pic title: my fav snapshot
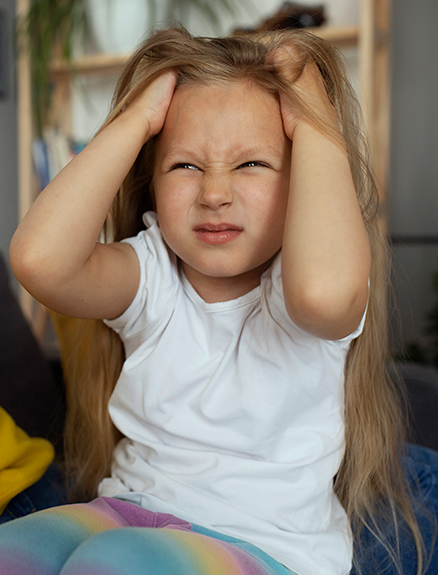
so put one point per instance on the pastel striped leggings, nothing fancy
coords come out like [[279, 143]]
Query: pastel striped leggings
[[112, 537]]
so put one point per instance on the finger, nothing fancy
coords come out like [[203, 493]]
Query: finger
[[288, 61], [163, 86], [301, 72], [289, 114]]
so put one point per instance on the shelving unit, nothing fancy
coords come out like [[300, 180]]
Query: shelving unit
[[371, 37], [104, 63]]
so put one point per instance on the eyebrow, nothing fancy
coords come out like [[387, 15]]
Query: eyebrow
[[238, 153]]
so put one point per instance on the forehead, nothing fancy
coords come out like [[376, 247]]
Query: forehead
[[247, 89], [221, 116]]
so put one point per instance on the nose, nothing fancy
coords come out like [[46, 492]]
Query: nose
[[216, 192]]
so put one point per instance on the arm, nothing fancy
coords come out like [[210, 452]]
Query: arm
[[326, 256], [54, 252]]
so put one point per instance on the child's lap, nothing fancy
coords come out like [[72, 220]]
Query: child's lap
[[112, 536], [96, 538]]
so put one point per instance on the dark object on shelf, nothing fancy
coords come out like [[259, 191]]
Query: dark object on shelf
[[292, 15]]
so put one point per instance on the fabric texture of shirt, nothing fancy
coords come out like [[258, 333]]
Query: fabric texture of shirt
[[232, 415]]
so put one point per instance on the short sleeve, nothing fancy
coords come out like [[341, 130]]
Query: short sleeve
[[158, 280], [345, 341]]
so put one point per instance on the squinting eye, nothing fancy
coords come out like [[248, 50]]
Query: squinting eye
[[184, 167], [252, 165]]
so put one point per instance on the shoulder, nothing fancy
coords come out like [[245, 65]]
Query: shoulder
[[158, 279], [149, 243]]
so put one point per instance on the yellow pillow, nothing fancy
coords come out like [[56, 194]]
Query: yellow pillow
[[23, 459]]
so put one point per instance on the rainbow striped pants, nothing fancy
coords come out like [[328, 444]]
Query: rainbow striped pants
[[112, 537]]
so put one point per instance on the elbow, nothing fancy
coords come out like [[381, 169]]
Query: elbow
[[19, 259], [26, 263], [329, 314]]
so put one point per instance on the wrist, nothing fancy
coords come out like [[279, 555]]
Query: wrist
[[137, 124], [307, 131]]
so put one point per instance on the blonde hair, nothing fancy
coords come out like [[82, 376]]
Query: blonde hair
[[370, 482]]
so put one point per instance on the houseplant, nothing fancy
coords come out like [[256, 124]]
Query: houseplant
[[54, 24]]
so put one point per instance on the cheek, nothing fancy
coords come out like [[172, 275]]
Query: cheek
[[173, 210], [273, 215], [169, 229], [167, 201], [271, 203], [175, 199]]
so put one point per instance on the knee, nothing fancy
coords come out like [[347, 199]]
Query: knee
[[130, 551], [37, 543]]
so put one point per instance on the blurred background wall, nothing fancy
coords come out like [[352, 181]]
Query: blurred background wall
[[413, 190]]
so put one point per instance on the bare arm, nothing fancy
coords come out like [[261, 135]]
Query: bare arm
[[54, 252], [326, 257]]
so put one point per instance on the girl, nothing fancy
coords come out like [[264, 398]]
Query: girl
[[258, 283]]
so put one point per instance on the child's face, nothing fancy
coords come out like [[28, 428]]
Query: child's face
[[221, 182]]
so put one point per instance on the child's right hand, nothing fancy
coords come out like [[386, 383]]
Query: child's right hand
[[55, 252], [152, 104]]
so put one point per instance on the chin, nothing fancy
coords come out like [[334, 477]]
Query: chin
[[216, 269]]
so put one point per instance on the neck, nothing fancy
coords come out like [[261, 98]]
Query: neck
[[217, 289]]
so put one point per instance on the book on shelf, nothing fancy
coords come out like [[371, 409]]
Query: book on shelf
[[51, 153]]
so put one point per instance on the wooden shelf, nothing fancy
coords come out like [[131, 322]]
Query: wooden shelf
[[91, 64], [110, 63], [339, 36]]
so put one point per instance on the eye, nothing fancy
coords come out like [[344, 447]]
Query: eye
[[253, 164], [183, 166]]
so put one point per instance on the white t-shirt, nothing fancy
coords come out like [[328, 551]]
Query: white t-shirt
[[233, 416]]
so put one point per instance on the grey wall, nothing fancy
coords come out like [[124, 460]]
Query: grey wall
[[8, 133], [413, 209]]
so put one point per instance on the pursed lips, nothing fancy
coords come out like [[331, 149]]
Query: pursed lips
[[215, 234], [217, 228]]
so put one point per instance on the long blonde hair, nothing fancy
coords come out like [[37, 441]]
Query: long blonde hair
[[370, 481]]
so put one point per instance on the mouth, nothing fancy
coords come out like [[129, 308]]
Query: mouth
[[217, 228], [216, 234]]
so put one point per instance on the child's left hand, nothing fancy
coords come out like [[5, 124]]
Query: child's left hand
[[325, 255], [308, 85]]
